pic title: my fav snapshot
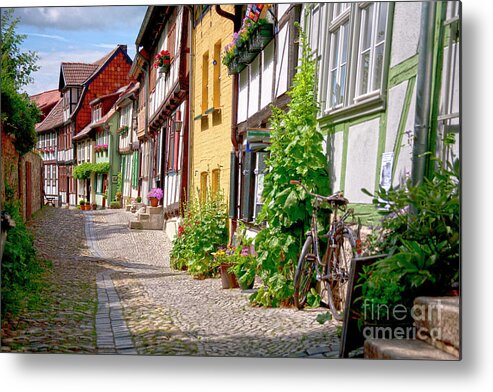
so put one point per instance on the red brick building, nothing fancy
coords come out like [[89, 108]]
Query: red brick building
[[80, 84]]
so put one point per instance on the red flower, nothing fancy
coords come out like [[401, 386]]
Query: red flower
[[181, 231]]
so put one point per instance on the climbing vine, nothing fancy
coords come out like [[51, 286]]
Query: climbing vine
[[85, 169], [296, 152]]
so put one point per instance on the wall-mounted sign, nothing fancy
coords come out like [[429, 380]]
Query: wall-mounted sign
[[386, 170]]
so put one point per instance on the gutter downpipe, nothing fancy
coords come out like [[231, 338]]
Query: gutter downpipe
[[423, 92], [189, 98], [236, 18]]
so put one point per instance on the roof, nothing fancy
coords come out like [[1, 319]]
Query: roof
[[46, 98], [129, 90], [53, 119], [85, 132], [77, 73], [82, 134]]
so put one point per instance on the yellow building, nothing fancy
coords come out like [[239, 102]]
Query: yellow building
[[211, 102]]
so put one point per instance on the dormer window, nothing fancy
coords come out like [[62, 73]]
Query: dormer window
[[96, 113]]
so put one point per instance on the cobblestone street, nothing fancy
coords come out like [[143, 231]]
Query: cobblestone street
[[140, 306], [169, 312]]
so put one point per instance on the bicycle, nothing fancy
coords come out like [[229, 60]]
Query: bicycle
[[333, 270]]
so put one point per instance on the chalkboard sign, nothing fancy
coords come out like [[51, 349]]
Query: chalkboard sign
[[352, 338]]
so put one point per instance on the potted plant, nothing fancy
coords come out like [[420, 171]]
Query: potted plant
[[154, 195], [115, 205], [244, 265], [222, 259], [82, 203], [162, 61], [138, 199], [94, 205]]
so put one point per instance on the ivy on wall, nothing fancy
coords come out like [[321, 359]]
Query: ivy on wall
[[296, 153]]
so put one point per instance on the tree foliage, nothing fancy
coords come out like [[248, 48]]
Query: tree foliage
[[19, 114], [17, 65], [296, 152]]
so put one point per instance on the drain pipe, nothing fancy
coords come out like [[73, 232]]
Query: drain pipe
[[236, 18], [423, 92]]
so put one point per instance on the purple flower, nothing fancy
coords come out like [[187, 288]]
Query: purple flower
[[245, 251]]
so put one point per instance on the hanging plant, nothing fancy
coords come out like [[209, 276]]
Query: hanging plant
[[162, 61]]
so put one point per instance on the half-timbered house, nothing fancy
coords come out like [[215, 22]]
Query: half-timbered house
[[81, 83], [382, 86], [163, 106], [263, 80], [48, 148]]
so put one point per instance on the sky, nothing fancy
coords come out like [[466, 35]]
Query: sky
[[75, 34]]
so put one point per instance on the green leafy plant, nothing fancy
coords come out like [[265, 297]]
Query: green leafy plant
[[82, 202], [242, 257], [420, 236], [203, 230], [19, 114], [20, 268], [84, 170], [115, 205], [295, 153]]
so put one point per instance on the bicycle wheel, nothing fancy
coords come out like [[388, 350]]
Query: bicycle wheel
[[338, 271], [304, 273]]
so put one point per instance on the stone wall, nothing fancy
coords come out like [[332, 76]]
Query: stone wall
[[14, 184]]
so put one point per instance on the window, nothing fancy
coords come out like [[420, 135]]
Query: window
[[203, 186], [96, 113], [215, 186], [205, 82], [373, 25], [350, 40], [217, 75], [171, 146]]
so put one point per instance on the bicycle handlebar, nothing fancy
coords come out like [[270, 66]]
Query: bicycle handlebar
[[336, 197]]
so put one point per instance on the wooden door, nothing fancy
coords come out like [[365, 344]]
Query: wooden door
[[29, 190]]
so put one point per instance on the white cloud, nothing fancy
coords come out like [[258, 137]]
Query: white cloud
[[57, 37], [81, 18]]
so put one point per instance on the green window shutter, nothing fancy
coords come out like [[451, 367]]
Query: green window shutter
[[248, 187], [123, 166], [261, 171], [135, 170], [233, 185]]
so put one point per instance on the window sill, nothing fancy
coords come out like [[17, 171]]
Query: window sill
[[375, 104]]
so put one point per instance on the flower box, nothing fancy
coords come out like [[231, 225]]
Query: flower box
[[236, 66], [246, 56], [262, 36]]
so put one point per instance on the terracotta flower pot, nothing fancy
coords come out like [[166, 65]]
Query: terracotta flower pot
[[228, 279], [154, 201]]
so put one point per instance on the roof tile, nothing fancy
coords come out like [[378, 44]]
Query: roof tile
[[53, 119]]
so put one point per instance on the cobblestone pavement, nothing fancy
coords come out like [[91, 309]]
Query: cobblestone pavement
[[170, 313], [60, 318]]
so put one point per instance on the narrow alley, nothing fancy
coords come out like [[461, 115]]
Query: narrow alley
[[114, 286]]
